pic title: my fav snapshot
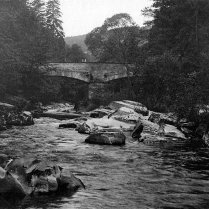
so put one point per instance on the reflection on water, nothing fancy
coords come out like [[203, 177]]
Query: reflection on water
[[131, 176]]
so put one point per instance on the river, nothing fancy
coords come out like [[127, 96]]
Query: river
[[127, 177]]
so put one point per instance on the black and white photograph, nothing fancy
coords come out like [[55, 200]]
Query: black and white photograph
[[104, 104]]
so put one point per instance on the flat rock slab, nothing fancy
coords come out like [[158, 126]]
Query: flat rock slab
[[165, 141], [59, 116]]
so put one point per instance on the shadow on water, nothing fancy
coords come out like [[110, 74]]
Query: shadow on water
[[132, 176], [53, 200]]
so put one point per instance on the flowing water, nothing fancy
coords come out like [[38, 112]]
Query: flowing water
[[130, 176]]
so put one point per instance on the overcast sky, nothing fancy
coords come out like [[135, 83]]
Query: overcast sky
[[82, 16]]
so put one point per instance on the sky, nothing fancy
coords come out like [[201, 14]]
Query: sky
[[82, 16]]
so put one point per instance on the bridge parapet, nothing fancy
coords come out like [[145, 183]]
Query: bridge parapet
[[89, 72]]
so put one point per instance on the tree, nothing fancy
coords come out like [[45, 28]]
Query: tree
[[116, 40], [38, 7], [74, 53], [56, 37], [179, 32]]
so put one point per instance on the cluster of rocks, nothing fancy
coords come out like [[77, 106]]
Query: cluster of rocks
[[110, 125], [25, 176], [10, 115]]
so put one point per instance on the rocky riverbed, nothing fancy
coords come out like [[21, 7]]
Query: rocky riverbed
[[134, 175]]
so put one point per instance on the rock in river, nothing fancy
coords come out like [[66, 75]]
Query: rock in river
[[25, 176], [108, 138]]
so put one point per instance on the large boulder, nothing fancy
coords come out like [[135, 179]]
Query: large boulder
[[36, 176], [106, 138], [152, 133], [9, 185], [136, 106]]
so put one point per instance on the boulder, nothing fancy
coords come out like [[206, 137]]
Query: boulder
[[70, 125], [84, 129], [172, 131], [36, 176], [106, 138], [69, 181], [126, 114], [137, 130], [102, 123], [9, 185], [136, 106], [167, 118]]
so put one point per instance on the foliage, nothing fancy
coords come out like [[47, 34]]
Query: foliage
[[25, 37], [175, 70], [56, 35], [116, 40]]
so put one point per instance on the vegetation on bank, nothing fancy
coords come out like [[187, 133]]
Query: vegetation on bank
[[171, 50]]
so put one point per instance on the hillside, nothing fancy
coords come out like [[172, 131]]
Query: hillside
[[77, 40]]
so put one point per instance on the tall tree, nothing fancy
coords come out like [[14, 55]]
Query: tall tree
[[54, 24], [180, 33], [23, 44], [38, 7]]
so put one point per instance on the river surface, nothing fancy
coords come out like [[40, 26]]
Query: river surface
[[127, 177]]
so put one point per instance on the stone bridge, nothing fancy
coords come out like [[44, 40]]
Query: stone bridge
[[89, 72], [95, 74]]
